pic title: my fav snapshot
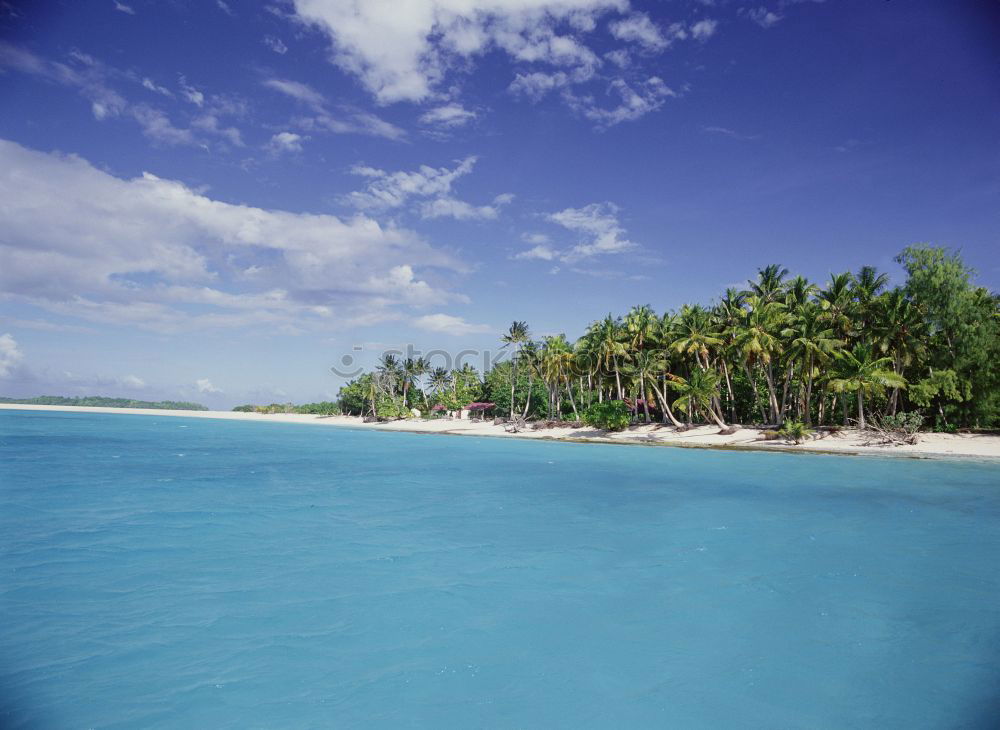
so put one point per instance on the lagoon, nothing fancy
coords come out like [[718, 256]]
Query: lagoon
[[177, 573]]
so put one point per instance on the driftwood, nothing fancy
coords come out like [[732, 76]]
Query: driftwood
[[541, 425], [877, 434], [515, 425]]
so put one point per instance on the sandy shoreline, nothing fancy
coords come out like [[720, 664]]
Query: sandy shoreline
[[931, 445]]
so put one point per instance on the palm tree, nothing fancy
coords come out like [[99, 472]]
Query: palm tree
[[799, 292], [698, 393], [811, 342], [900, 330], [838, 304], [695, 335], [860, 371], [727, 316], [646, 366], [759, 345], [612, 348], [411, 371], [866, 285], [769, 286], [515, 338], [389, 374], [640, 325], [440, 381]]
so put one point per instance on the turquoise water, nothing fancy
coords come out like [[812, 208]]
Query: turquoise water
[[161, 572]]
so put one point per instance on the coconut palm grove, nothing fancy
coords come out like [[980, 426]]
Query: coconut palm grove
[[783, 351]]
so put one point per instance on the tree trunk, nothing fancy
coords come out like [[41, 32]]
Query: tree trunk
[[861, 408], [771, 393], [513, 382], [784, 394], [572, 401], [756, 392], [729, 390], [715, 417], [809, 391], [896, 368], [645, 397], [667, 413]]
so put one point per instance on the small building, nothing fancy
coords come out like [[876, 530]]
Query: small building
[[478, 410]]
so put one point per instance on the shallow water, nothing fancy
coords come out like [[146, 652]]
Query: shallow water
[[187, 573]]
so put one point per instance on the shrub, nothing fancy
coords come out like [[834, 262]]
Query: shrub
[[610, 416], [908, 423], [389, 408], [795, 431]]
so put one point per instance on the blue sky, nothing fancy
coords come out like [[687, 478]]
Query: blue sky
[[216, 200]]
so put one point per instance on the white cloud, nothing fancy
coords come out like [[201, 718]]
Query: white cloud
[[124, 8], [153, 253], [449, 324], [190, 93], [619, 58], [93, 80], [535, 238], [276, 45], [352, 121], [598, 225], [704, 29], [286, 142], [157, 126], [543, 252], [224, 7], [10, 354], [149, 84], [726, 132], [393, 189], [763, 17], [388, 190], [298, 91], [537, 84], [402, 51], [133, 381], [460, 210], [204, 385], [638, 28], [81, 74], [448, 115], [210, 123], [636, 102]]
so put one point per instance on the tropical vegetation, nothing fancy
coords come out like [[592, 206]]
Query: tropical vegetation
[[782, 349], [99, 401]]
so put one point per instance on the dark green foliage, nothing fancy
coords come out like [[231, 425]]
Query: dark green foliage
[[611, 415], [96, 401], [908, 423], [794, 431], [325, 408], [783, 350]]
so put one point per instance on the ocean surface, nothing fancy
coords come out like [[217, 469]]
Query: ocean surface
[[161, 572]]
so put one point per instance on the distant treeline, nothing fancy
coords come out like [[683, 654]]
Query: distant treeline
[[102, 402], [324, 408]]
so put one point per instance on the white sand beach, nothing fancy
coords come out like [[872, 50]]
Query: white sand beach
[[930, 445]]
